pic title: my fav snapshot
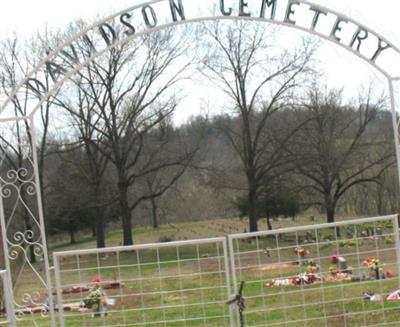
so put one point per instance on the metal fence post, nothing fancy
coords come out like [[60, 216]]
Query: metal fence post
[[8, 298], [233, 275], [59, 305]]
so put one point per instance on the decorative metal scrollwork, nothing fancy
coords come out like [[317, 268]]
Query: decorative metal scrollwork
[[23, 233]]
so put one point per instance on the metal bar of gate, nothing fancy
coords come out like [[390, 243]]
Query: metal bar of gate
[[231, 252], [8, 299], [397, 242]]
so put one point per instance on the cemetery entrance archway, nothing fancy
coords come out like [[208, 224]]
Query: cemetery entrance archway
[[22, 184]]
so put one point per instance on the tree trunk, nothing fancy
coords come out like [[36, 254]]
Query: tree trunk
[[127, 228], [29, 238], [380, 200], [269, 224], [252, 210], [72, 237], [330, 215], [93, 228], [154, 212], [100, 235], [28, 226], [98, 225], [125, 214], [252, 198], [32, 255]]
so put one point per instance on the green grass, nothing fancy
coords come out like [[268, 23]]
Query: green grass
[[157, 290]]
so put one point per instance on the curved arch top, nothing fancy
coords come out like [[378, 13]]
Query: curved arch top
[[61, 63]]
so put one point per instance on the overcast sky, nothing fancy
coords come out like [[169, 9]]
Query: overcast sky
[[28, 16]]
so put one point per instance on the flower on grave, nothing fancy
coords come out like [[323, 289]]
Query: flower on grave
[[301, 252], [371, 263], [333, 270], [94, 298], [312, 267], [96, 279]]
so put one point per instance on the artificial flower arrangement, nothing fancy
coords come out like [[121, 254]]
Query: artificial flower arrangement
[[376, 271], [96, 300], [93, 300]]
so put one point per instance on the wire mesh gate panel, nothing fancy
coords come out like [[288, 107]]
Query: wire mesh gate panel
[[166, 284], [343, 274], [7, 303]]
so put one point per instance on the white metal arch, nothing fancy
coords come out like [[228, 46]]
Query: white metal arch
[[52, 56]]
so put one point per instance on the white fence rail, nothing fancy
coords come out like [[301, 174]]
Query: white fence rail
[[166, 284], [320, 275], [8, 316]]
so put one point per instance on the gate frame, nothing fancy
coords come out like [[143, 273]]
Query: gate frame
[[176, 11], [232, 237], [217, 240]]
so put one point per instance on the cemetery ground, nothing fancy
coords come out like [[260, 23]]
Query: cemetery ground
[[163, 287]]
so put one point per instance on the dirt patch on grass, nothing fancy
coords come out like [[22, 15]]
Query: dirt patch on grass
[[276, 266], [176, 297]]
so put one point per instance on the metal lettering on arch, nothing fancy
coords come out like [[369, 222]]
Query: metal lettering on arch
[[63, 61]]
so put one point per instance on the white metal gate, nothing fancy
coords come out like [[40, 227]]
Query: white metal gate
[[319, 275], [298, 276], [166, 284]]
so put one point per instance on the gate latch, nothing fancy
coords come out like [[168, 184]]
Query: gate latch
[[239, 300]]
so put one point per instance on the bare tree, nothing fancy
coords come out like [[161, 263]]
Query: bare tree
[[69, 196], [334, 151], [83, 117], [259, 79], [153, 182], [131, 91]]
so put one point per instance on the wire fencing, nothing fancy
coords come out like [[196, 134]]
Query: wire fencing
[[166, 284], [342, 274], [331, 275]]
